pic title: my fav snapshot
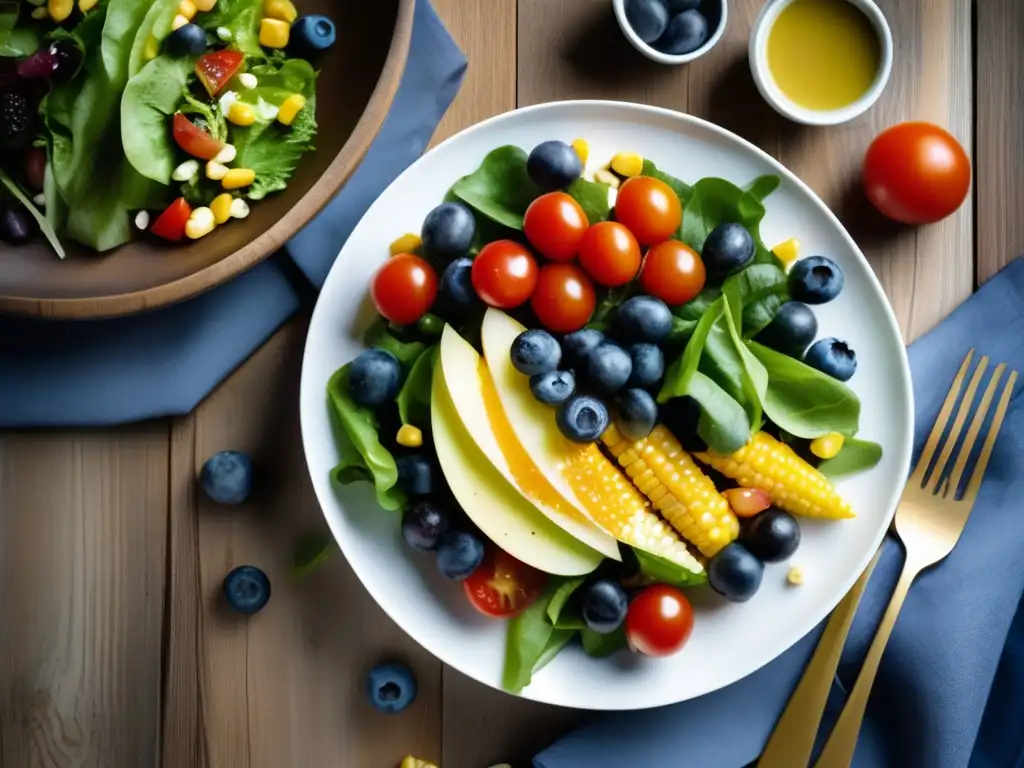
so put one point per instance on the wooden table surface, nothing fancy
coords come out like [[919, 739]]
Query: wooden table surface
[[112, 651]]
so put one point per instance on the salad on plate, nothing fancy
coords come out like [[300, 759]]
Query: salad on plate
[[162, 116], [591, 390]]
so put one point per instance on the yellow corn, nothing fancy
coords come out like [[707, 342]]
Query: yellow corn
[[787, 251], [178, 22], [274, 33], [827, 446], [795, 575], [152, 49], [241, 114], [607, 177], [628, 164], [415, 762], [237, 178], [221, 207], [280, 9], [40, 13], [774, 467], [408, 243], [290, 108], [200, 223], [60, 9], [205, 5], [582, 148], [188, 9], [216, 171], [87, 5], [409, 436], [676, 486]]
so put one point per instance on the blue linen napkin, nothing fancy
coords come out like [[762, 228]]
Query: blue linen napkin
[[950, 690], [95, 373]]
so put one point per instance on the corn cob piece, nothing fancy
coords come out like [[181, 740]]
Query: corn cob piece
[[676, 486], [774, 467]]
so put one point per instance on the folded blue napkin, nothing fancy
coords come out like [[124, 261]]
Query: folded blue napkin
[[950, 690], [96, 373]]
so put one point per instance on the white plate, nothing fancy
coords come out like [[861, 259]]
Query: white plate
[[729, 641]]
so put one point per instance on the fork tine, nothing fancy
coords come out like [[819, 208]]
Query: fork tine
[[952, 480], [971, 492], [940, 422], [939, 475]]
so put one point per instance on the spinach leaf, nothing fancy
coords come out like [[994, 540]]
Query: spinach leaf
[[242, 17], [678, 376], [406, 352], [155, 27], [601, 320], [593, 199], [360, 427], [855, 456], [680, 332], [666, 571], [600, 646], [528, 636], [558, 640], [149, 99], [723, 423], [728, 362], [560, 597], [763, 186], [44, 224], [763, 289], [122, 23], [414, 396], [717, 201], [500, 189], [311, 552], [695, 308], [804, 401]]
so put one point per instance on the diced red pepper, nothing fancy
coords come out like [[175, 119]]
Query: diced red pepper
[[194, 140], [170, 225], [217, 68]]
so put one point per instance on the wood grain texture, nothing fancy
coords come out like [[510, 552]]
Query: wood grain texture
[[81, 589]]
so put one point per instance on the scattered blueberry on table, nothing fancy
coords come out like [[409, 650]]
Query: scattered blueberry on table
[[391, 687], [247, 589], [226, 477], [832, 357]]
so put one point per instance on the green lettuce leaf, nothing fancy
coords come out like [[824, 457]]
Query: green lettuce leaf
[[855, 456], [414, 397], [500, 189]]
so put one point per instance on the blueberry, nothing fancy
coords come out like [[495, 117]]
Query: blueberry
[[456, 297], [415, 474], [648, 18], [735, 573], [832, 357], [727, 249], [609, 367], [391, 687], [226, 477], [187, 40], [685, 33], [373, 378], [16, 225], [643, 319], [312, 34], [681, 415], [815, 280], [791, 330], [458, 554], [448, 232], [648, 365], [554, 165], [535, 351], [423, 524], [247, 589], [771, 536], [636, 413], [582, 418], [604, 606], [678, 6], [553, 387], [578, 346]]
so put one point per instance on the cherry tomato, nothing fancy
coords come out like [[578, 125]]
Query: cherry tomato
[[649, 208], [564, 299], [193, 139], [404, 289], [502, 586], [170, 225], [659, 621], [217, 68], [610, 253], [554, 225], [916, 173], [504, 274], [35, 168], [673, 272]]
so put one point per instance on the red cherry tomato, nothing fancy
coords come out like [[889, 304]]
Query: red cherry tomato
[[217, 68], [170, 225], [673, 272], [35, 168], [649, 208], [610, 253], [404, 289], [554, 225], [564, 299], [193, 139], [916, 173], [502, 586], [504, 274], [659, 621]]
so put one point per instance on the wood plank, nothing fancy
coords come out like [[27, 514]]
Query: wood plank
[[999, 163], [81, 584]]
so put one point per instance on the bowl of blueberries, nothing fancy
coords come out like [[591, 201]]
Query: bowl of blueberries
[[672, 31]]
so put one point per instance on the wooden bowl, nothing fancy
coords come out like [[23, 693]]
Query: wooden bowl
[[358, 80]]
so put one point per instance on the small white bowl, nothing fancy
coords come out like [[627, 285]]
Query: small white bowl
[[782, 104], [665, 58]]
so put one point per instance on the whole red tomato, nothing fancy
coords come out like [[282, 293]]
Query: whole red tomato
[[673, 272], [916, 173], [649, 209], [564, 299], [504, 274], [659, 621], [404, 289], [554, 224]]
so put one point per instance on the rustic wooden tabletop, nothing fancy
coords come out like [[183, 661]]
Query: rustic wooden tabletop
[[112, 651]]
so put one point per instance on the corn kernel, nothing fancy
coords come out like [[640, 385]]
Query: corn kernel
[[582, 148], [827, 446], [200, 223], [241, 114], [795, 576], [152, 49], [216, 171], [603, 176], [408, 243], [238, 177], [87, 5], [221, 207], [40, 13], [409, 436], [188, 9], [280, 9], [787, 251], [239, 208], [225, 35], [274, 33], [142, 220], [205, 5], [248, 80], [178, 22], [290, 107], [59, 10], [628, 164], [226, 155], [415, 762], [187, 170]]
